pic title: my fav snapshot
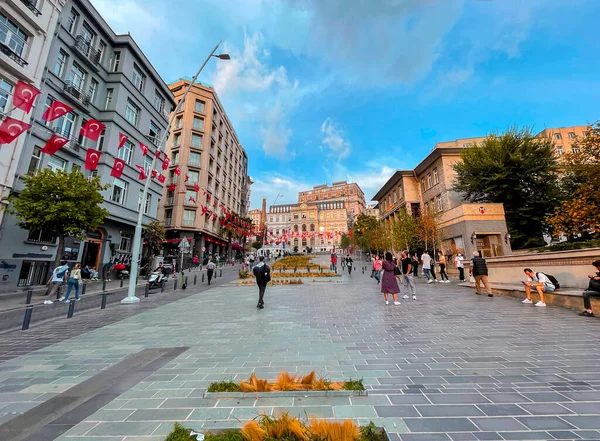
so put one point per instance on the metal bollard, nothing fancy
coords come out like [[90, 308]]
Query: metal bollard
[[104, 296], [104, 285], [221, 273], [27, 318], [29, 294], [121, 283], [71, 308], [363, 270], [146, 289], [202, 277], [175, 284], [195, 279], [162, 287], [83, 288]]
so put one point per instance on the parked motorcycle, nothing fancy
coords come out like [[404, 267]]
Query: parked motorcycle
[[156, 279]]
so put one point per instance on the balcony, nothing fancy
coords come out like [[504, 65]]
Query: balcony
[[74, 145], [194, 163], [31, 5], [12, 55], [168, 221], [189, 222], [91, 56], [77, 93], [169, 201]]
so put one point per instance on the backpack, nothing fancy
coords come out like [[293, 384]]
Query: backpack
[[551, 278], [61, 274], [263, 275]]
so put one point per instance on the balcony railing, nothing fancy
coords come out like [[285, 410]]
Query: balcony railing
[[90, 54], [31, 5], [168, 221], [73, 144], [189, 222], [76, 93], [194, 163], [13, 55]]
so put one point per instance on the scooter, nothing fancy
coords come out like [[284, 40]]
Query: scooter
[[156, 279]]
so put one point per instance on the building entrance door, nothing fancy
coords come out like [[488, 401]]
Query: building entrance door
[[92, 250]]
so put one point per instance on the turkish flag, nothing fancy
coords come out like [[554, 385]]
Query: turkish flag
[[118, 168], [56, 110], [11, 129], [187, 178], [157, 154], [172, 187], [92, 129], [54, 144], [191, 199], [196, 186], [91, 159], [177, 171], [144, 148], [24, 96], [154, 174], [161, 179], [166, 163], [122, 140], [142, 172]]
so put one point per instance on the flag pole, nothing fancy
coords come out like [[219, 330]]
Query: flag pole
[[137, 238]]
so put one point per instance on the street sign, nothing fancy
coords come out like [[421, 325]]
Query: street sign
[[184, 243]]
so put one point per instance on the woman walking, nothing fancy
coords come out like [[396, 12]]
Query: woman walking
[[415, 265], [389, 284], [432, 257], [377, 264], [73, 282], [442, 263]]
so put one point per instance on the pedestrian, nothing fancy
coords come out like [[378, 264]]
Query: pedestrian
[[58, 279], [407, 276], [334, 262], [106, 271], [377, 265], [349, 263], [540, 282], [262, 272], [479, 271], [74, 280], [458, 263], [195, 261], [210, 270], [426, 264], [86, 274], [415, 265], [442, 263], [593, 290], [389, 284], [432, 256]]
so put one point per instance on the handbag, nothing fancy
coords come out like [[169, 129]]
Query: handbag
[[471, 279], [396, 271]]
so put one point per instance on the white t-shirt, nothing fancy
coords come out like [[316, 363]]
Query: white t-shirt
[[57, 270], [458, 260], [541, 278], [426, 259]]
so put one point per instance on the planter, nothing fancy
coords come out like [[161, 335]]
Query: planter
[[288, 393]]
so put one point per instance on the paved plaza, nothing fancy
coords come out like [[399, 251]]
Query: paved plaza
[[448, 366]]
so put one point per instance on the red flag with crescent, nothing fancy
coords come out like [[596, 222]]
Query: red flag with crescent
[[54, 144], [177, 170], [166, 163], [11, 129], [157, 154], [118, 168], [144, 148], [187, 178], [24, 96], [154, 174], [91, 159], [142, 175], [172, 187], [122, 139], [161, 179], [196, 187], [91, 129], [56, 110]]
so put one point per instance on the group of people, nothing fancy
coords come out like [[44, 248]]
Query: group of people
[[347, 262], [390, 271], [64, 274]]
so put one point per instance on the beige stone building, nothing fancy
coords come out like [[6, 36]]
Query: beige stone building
[[350, 193], [563, 137]]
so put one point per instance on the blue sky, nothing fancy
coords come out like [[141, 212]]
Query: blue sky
[[320, 91]]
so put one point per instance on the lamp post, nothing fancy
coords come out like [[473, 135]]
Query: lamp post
[[137, 238]]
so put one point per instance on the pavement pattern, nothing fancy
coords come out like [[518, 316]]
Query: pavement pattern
[[448, 366]]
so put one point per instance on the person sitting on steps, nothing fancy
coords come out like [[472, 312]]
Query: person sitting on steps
[[593, 290], [540, 282]]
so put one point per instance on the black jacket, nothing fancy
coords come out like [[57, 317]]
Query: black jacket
[[479, 268]]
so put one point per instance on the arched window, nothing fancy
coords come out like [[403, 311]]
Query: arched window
[[312, 227], [303, 227], [295, 227]]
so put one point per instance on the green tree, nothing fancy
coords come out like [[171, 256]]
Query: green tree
[[154, 236], [61, 204], [518, 170], [428, 229], [404, 230], [257, 245], [364, 228], [345, 241]]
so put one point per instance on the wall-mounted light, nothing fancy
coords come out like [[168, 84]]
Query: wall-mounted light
[[507, 237], [473, 237]]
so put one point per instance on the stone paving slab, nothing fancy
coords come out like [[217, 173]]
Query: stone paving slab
[[451, 365]]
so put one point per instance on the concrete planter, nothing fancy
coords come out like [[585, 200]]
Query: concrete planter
[[288, 393]]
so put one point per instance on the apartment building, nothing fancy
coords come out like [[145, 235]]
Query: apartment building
[[26, 29], [563, 137], [214, 170], [107, 77], [372, 210], [278, 224]]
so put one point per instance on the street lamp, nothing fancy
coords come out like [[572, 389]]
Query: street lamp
[[137, 238]]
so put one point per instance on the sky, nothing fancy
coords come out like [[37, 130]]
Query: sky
[[322, 91]]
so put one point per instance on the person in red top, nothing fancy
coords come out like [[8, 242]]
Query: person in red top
[[334, 262], [377, 264]]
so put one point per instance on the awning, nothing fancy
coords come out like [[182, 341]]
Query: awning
[[236, 246]]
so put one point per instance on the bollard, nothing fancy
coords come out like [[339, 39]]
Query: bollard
[[104, 285], [202, 277], [83, 288], [146, 289], [194, 279], [321, 270], [295, 268], [121, 283], [104, 296], [27, 318], [29, 294], [175, 284], [363, 270], [162, 286], [308, 268], [189, 269], [220, 273], [71, 308]]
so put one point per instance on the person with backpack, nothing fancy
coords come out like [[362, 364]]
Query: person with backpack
[[541, 282], [210, 270], [479, 271], [58, 279], [593, 290], [262, 272], [349, 263]]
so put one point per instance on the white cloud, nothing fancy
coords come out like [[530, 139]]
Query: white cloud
[[142, 20], [270, 186], [333, 139]]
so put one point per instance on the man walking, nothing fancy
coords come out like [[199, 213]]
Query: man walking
[[262, 272], [479, 271], [426, 263], [458, 263], [59, 276], [407, 276], [210, 270], [349, 263]]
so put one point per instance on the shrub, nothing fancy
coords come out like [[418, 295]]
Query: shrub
[[224, 386], [354, 384], [243, 274]]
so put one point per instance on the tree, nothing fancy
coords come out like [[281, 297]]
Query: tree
[[579, 212], [345, 241], [518, 170], [404, 230], [428, 229], [364, 227], [60, 204], [257, 245], [154, 236]]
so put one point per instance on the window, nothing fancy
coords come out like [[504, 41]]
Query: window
[[196, 140], [12, 36], [125, 243], [80, 138], [126, 152], [154, 133], [575, 150], [93, 90], [88, 36], [159, 101], [175, 158], [119, 191], [75, 167], [148, 163], [109, 94], [132, 113], [190, 194], [177, 140], [429, 181], [194, 176], [77, 76], [40, 236], [557, 136], [189, 217], [116, 61], [64, 125], [34, 163], [147, 204], [101, 139], [423, 184], [560, 150], [138, 78], [55, 163], [571, 135], [395, 197], [101, 51], [5, 92], [194, 159], [179, 122], [61, 61], [436, 178], [199, 107], [198, 123], [440, 204], [72, 23]]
